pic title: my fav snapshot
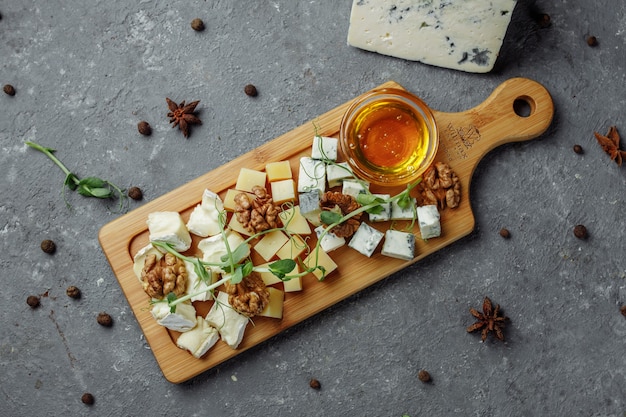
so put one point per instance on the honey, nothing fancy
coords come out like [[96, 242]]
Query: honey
[[389, 137]]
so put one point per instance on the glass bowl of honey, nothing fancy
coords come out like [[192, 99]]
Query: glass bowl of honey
[[389, 137]]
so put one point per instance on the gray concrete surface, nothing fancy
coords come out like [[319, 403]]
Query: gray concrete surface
[[86, 72]]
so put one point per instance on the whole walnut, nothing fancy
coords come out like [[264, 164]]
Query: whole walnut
[[259, 214], [250, 296], [162, 276], [440, 186], [334, 200]]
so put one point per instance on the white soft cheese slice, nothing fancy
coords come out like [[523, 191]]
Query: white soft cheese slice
[[230, 324], [460, 34], [195, 284], [182, 320], [204, 219], [428, 219], [214, 247], [168, 227], [200, 339]]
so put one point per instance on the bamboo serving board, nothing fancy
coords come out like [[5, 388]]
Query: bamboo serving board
[[465, 137]]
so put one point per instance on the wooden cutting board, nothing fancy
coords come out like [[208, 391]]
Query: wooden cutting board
[[465, 137]]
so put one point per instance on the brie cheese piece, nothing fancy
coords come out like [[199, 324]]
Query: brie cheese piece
[[168, 227], [195, 284], [229, 323], [214, 247], [182, 320], [204, 219], [199, 339], [460, 34]]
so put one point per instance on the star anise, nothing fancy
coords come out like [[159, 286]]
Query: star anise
[[489, 320], [610, 145], [182, 115]]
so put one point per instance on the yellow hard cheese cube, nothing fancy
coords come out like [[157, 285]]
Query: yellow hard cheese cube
[[277, 171], [274, 308], [267, 277], [293, 284], [320, 258], [229, 199], [283, 191], [294, 221], [270, 244], [292, 249], [248, 178]]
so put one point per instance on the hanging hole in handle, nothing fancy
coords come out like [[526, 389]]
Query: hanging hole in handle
[[524, 106]]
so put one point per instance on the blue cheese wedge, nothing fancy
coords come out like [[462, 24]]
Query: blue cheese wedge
[[311, 175], [200, 339], [366, 239], [354, 187], [399, 245], [229, 323], [337, 173], [403, 213], [310, 206], [464, 35], [428, 219], [330, 241], [204, 219], [385, 214], [324, 148], [168, 227], [182, 320]]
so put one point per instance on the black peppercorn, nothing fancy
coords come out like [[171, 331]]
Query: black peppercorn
[[9, 89], [544, 20], [135, 193], [315, 384], [250, 90], [505, 233], [32, 301], [73, 292], [48, 246], [578, 149], [197, 25], [580, 232], [105, 320], [144, 128], [424, 376], [623, 310], [592, 41], [88, 399]]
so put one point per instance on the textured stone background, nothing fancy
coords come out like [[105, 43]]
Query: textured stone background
[[87, 71]]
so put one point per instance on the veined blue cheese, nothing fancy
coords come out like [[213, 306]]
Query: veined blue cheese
[[403, 213], [311, 175], [310, 206], [366, 239], [385, 214], [324, 148], [330, 241], [337, 173], [399, 245], [428, 219], [460, 34], [354, 187]]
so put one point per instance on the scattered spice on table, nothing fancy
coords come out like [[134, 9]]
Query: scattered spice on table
[[544, 20], [250, 90], [32, 301], [72, 292], [181, 115], [197, 25], [578, 149], [489, 321], [504, 232], [315, 384], [48, 246], [610, 144], [88, 399], [135, 193], [9, 89], [623, 310], [580, 231], [424, 376], [105, 320], [592, 41], [144, 128]]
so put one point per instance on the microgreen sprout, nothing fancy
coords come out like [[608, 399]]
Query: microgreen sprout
[[87, 187]]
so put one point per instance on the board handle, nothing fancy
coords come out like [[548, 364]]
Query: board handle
[[519, 109]]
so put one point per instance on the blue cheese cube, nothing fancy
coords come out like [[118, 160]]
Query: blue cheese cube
[[330, 241], [385, 214], [464, 35], [324, 148], [399, 245], [366, 239], [337, 173], [354, 187], [403, 213], [229, 323], [310, 206], [168, 227], [428, 219], [311, 175]]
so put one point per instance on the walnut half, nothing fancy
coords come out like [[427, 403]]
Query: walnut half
[[260, 214], [250, 296], [334, 200], [160, 277], [440, 186]]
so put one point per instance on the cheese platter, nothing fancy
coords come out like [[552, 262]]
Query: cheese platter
[[464, 138]]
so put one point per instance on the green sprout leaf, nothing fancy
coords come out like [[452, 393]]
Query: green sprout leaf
[[282, 268], [330, 217], [171, 297]]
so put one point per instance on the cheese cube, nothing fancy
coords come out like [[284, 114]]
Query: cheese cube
[[282, 191], [465, 35], [292, 249], [195, 284], [168, 227], [205, 218], [428, 219], [214, 247], [182, 320], [330, 241], [399, 245], [403, 213], [324, 148], [236, 226], [337, 173], [229, 199], [274, 308], [294, 221], [277, 171], [310, 206], [385, 214], [200, 339], [267, 277], [311, 175], [293, 284], [366, 239], [139, 259], [354, 187], [320, 258], [229, 323], [248, 178], [270, 243]]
